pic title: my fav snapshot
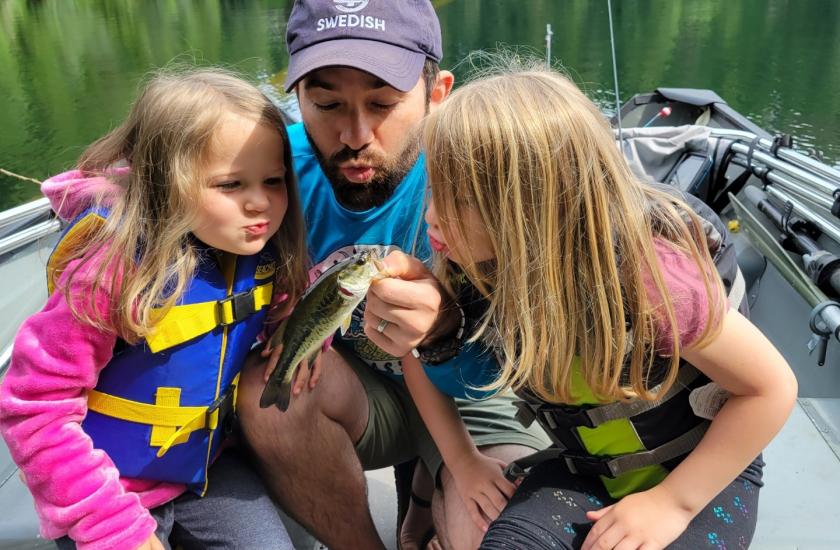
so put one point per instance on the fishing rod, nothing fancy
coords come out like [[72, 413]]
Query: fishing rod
[[781, 165], [821, 266], [548, 35], [786, 190], [615, 77], [783, 152]]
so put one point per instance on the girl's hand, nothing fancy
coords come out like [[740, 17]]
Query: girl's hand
[[152, 543], [307, 375], [273, 355], [483, 487], [411, 300], [650, 520]]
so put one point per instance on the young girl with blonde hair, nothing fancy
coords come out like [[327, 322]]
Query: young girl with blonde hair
[[598, 295], [121, 390]]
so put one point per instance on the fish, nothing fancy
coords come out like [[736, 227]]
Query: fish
[[327, 306]]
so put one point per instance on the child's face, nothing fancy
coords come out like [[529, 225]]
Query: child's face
[[244, 199], [476, 238]]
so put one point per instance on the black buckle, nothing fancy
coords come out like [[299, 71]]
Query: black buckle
[[563, 416], [524, 413], [224, 404], [242, 305], [588, 465], [522, 467]]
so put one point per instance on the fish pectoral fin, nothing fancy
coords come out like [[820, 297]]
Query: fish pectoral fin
[[310, 361], [345, 324], [277, 338]]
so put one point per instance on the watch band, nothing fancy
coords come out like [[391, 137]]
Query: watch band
[[445, 349]]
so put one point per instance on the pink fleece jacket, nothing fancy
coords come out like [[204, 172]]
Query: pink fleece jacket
[[43, 399]]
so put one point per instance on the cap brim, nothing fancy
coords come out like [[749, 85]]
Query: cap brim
[[398, 67]]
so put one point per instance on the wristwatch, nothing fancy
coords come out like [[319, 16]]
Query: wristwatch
[[443, 349]]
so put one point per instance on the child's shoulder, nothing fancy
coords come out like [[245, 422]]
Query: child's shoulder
[[687, 290], [73, 192]]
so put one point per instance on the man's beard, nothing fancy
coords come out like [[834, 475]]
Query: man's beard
[[389, 173]]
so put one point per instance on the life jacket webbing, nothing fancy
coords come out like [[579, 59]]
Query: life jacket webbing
[[613, 411], [738, 290], [185, 419], [185, 322], [619, 465], [611, 467], [593, 417]]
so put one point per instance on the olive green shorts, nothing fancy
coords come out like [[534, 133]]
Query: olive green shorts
[[395, 433]]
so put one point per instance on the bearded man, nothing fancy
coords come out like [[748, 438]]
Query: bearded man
[[366, 73]]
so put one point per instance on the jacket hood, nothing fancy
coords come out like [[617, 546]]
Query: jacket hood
[[71, 193]]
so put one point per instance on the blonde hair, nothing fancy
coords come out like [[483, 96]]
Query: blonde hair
[[572, 231], [144, 253]]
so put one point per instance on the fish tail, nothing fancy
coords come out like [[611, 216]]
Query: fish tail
[[276, 393], [269, 394], [284, 397]]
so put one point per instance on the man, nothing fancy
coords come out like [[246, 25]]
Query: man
[[366, 73]]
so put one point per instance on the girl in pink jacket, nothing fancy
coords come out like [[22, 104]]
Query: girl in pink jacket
[[121, 389]]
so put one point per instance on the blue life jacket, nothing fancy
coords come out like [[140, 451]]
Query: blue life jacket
[[159, 406]]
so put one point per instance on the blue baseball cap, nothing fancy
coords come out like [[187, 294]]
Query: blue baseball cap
[[390, 39]]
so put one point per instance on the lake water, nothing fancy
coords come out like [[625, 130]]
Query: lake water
[[70, 68]]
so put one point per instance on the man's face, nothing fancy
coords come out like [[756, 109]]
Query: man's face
[[364, 132]]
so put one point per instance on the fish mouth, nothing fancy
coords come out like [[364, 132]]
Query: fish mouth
[[351, 290]]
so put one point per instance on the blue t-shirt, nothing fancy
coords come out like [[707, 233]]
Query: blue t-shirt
[[335, 233]]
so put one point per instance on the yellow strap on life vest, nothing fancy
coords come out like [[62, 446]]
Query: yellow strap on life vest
[[173, 421], [185, 322], [80, 233], [142, 413]]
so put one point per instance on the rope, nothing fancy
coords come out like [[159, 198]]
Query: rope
[[18, 176]]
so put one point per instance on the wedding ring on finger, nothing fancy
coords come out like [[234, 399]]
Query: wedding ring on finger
[[380, 328]]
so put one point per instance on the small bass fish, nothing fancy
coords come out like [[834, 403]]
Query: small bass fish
[[325, 308]]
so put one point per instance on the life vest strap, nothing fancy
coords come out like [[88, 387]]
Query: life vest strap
[[613, 467], [185, 419], [738, 290], [620, 409], [608, 466], [185, 322], [571, 416]]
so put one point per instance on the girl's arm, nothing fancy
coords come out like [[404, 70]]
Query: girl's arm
[[763, 391], [479, 479], [76, 488]]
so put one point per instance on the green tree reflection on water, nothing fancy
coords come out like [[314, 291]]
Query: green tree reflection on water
[[70, 68]]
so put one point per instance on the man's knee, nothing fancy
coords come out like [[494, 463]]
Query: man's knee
[[451, 516], [262, 428], [339, 397]]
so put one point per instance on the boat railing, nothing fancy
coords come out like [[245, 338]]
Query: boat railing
[[24, 224]]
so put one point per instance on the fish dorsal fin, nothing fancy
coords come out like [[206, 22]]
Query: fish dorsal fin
[[345, 323]]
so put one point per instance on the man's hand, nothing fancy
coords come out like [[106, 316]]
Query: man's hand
[[650, 519], [411, 300]]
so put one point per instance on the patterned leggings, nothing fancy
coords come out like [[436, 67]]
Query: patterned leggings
[[548, 512]]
